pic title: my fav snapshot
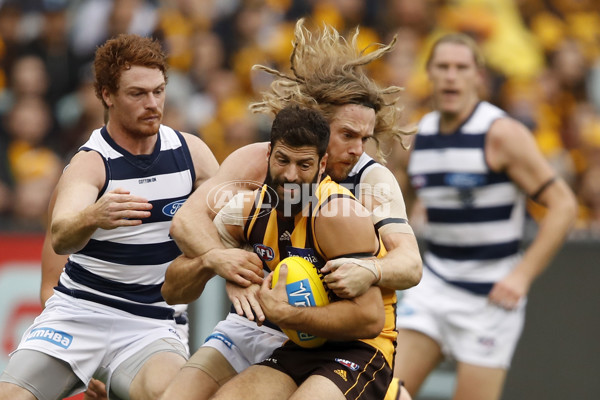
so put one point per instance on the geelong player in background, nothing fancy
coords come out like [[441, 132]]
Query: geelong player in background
[[471, 166]]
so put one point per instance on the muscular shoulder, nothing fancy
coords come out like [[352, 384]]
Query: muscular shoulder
[[380, 194], [205, 164], [344, 226], [87, 165], [379, 186], [248, 163], [376, 175], [507, 140]]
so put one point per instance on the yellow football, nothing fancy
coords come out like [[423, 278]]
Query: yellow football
[[304, 289]]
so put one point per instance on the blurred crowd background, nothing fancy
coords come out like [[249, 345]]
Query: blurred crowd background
[[543, 68]]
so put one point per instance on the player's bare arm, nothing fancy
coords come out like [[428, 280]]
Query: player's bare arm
[[195, 234], [230, 222], [205, 163], [185, 280], [347, 319], [342, 227], [402, 267], [511, 147], [52, 266], [189, 289], [77, 214], [52, 263], [186, 277], [192, 226]]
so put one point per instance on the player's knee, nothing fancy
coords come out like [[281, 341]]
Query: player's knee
[[154, 390], [152, 379], [150, 387], [10, 391]]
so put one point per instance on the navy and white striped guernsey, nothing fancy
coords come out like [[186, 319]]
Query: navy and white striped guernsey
[[125, 267], [475, 216], [354, 179]]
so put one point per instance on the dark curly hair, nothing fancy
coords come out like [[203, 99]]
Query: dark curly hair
[[297, 127]]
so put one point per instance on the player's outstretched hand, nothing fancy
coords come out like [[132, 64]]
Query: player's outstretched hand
[[245, 301], [119, 208]]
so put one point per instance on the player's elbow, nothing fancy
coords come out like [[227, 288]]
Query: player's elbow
[[169, 290], [177, 228], [569, 206], [60, 243], [372, 320], [563, 206], [416, 272], [373, 325], [167, 293], [174, 295]]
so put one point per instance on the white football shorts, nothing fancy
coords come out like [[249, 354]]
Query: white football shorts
[[468, 327], [95, 339], [242, 342]]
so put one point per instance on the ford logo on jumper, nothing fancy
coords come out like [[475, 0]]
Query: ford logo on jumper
[[170, 209]]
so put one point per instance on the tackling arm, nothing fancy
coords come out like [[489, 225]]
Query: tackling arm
[[342, 227], [186, 278], [401, 267], [196, 235], [192, 227]]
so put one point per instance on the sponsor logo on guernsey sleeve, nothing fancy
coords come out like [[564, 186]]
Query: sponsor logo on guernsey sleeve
[[58, 338], [170, 209]]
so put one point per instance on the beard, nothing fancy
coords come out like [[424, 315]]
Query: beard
[[139, 127], [339, 172], [287, 203], [149, 128]]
